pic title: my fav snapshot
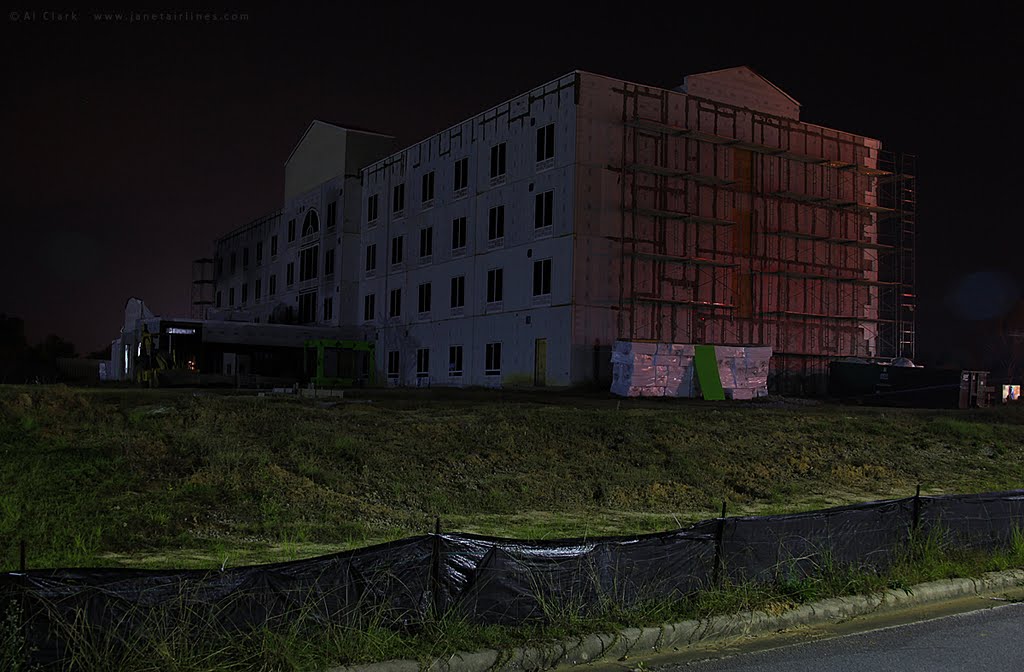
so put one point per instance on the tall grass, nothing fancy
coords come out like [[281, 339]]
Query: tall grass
[[15, 651], [170, 479]]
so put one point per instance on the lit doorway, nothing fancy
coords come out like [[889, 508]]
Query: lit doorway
[[540, 362]]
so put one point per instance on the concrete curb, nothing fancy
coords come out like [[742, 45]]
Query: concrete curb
[[636, 642]]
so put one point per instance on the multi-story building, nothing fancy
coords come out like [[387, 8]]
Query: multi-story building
[[517, 246], [468, 248], [287, 267]]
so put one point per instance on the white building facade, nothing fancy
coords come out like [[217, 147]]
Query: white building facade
[[467, 237], [289, 267], [516, 247]]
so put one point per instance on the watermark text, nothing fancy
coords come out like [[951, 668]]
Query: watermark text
[[127, 16]]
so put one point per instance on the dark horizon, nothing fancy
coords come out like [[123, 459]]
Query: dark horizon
[[135, 146]]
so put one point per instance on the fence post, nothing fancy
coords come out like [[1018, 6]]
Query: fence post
[[917, 508], [435, 569], [719, 560], [21, 564]]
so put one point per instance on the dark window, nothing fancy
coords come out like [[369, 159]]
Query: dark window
[[329, 262], [398, 198], [393, 363], [273, 246], [458, 291], [494, 282], [245, 257], [259, 252], [290, 274], [220, 295], [455, 360], [396, 249], [371, 208], [395, 303], [459, 233], [371, 257], [545, 142], [259, 289], [427, 192], [542, 210], [332, 214], [308, 263], [427, 241], [498, 160], [220, 266], [273, 285], [245, 293], [461, 174], [234, 266], [311, 224], [422, 362], [328, 308], [291, 230], [368, 307], [496, 223], [492, 359], [424, 303], [542, 277], [307, 307], [231, 296]]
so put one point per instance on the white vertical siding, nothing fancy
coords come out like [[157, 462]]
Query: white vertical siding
[[520, 318]]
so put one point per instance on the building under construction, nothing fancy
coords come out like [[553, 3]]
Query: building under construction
[[739, 224], [517, 246]]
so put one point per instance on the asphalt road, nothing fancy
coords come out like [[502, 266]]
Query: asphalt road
[[986, 640]]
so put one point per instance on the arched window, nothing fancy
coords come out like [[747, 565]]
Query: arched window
[[311, 224]]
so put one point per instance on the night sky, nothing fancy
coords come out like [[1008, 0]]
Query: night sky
[[128, 148]]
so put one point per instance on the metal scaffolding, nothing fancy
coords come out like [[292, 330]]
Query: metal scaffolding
[[898, 191], [202, 288], [745, 228]]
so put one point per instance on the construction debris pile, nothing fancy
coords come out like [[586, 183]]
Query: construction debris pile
[[644, 369]]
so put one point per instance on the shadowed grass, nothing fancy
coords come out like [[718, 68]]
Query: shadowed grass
[[163, 478]]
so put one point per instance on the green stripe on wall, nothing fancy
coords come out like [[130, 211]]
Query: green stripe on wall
[[707, 373]]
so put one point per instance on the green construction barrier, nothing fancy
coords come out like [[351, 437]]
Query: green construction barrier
[[707, 373]]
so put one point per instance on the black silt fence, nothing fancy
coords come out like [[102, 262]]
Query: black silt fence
[[489, 580], [506, 582], [984, 520], [115, 608], [763, 548]]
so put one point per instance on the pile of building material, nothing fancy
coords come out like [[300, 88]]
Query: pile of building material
[[645, 369], [652, 369], [743, 370]]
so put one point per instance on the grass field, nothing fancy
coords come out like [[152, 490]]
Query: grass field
[[175, 478]]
